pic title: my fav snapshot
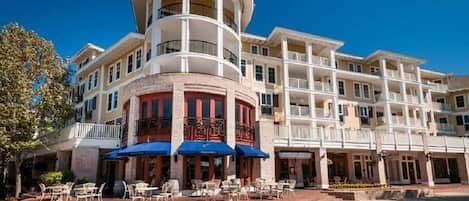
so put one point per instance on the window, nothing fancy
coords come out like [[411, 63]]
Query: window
[[351, 67], [364, 116], [111, 72], [265, 51], [116, 97], [243, 67], [144, 110], [154, 109], [96, 79], [148, 54], [191, 107], [218, 109], [356, 89], [358, 68], [118, 70], [460, 101], [271, 75], [130, 62], [463, 121], [341, 87], [366, 91], [443, 120], [138, 59], [341, 112], [266, 103], [167, 108], [440, 100], [90, 79], [206, 107], [254, 49], [259, 73], [374, 70], [109, 102]]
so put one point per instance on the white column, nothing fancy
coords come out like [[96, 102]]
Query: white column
[[335, 99], [147, 9], [381, 170], [134, 114], [312, 105], [385, 91], [310, 71], [423, 116], [220, 37], [100, 95], [286, 97], [177, 132], [230, 132], [322, 177], [155, 40]]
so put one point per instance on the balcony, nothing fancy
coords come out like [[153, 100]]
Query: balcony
[[399, 121], [441, 107], [201, 128], [299, 111], [410, 77], [393, 74], [437, 86], [296, 56], [196, 46], [306, 136], [322, 61], [396, 97], [197, 9], [154, 126], [298, 83], [413, 99], [445, 127], [125, 134], [88, 134], [402, 142], [323, 87], [324, 113], [245, 133]]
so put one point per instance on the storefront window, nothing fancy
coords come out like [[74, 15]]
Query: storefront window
[[357, 166], [218, 109], [404, 170], [165, 169], [167, 109], [140, 168], [204, 167], [439, 164], [284, 169], [151, 171], [154, 108], [191, 108], [206, 108], [218, 165], [190, 170]]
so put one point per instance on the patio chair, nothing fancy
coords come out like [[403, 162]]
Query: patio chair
[[278, 191], [67, 190], [261, 189], [336, 179], [82, 194], [99, 194], [132, 194], [126, 189], [243, 193], [164, 195], [291, 187], [43, 191]]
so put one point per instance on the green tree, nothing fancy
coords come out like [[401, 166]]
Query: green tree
[[34, 94]]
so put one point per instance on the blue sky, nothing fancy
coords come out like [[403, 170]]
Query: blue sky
[[437, 31]]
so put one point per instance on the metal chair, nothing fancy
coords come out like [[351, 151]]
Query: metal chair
[[99, 194]]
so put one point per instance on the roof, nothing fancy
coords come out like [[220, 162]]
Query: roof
[[280, 31], [87, 47], [388, 54]]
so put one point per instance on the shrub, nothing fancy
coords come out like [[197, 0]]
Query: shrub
[[51, 178], [68, 176]]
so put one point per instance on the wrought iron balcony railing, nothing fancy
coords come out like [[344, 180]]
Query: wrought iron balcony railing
[[202, 128]]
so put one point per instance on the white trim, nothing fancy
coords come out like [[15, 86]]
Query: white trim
[[363, 90]]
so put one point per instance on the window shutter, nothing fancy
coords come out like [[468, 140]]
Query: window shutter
[[356, 111], [345, 108], [86, 106], [276, 104], [370, 111], [94, 103], [259, 95], [459, 120]]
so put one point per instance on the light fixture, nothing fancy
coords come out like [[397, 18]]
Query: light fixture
[[381, 155], [428, 156]]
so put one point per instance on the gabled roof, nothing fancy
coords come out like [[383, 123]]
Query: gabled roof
[[395, 56], [86, 48], [280, 31]]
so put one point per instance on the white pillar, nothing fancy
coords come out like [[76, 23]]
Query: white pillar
[[264, 139], [100, 95], [286, 94], [385, 91], [310, 71], [322, 176], [220, 37], [230, 132], [134, 108], [177, 132], [335, 99], [155, 39]]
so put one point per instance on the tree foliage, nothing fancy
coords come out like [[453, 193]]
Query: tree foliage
[[34, 91]]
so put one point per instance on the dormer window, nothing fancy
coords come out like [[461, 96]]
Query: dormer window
[[254, 49]]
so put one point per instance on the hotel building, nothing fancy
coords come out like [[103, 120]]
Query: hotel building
[[191, 95]]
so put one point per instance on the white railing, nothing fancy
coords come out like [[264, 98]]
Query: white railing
[[301, 111], [323, 87], [324, 113], [392, 74], [322, 61], [296, 56], [398, 120], [415, 122], [413, 99], [397, 97], [79, 131], [441, 107], [306, 136], [298, 83], [445, 127], [437, 86], [410, 77]]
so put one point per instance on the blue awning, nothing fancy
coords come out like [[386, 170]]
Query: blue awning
[[205, 147], [149, 148], [112, 155], [250, 151]]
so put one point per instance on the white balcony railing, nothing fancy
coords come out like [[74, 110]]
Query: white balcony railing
[[398, 120], [299, 111], [392, 74], [298, 83], [396, 97], [437, 86], [445, 127], [410, 77], [89, 134], [306, 136], [443, 107], [296, 56], [324, 113], [322, 61], [323, 87], [413, 99]]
